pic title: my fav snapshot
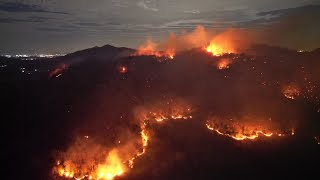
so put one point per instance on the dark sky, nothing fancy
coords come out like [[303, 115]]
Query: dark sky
[[49, 26]]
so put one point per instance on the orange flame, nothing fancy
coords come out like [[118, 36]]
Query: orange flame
[[111, 168], [144, 139], [226, 42], [90, 161], [150, 48], [223, 63], [88, 168], [217, 49], [164, 110], [158, 113], [250, 134], [245, 130], [170, 53]]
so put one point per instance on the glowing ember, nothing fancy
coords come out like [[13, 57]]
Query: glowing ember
[[223, 63], [58, 70], [243, 131], [317, 138], [170, 53], [291, 91], [123, 69]]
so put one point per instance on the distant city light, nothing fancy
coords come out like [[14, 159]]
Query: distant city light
[[32, 56]]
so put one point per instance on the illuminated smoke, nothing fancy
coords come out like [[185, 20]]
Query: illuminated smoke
[[224, 43], [215, 43], [150, 48], [237, 40]]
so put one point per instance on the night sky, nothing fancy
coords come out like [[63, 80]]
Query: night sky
[[60, 26]]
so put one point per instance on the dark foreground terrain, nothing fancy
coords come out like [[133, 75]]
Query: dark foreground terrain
[[94, 93]]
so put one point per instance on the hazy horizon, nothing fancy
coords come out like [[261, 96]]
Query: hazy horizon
[[63, 27]]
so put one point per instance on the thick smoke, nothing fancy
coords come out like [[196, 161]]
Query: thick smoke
[[235, 40]]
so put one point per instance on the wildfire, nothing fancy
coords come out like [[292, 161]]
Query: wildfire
[[164, 110], [223, 63], [87, 168], [144, 139], [160, 116], [90, 161], [217, 49], [158, 113], [151, 49], [170, 53], [244, 131], [112, 167], [249, 134], [291, 91]]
